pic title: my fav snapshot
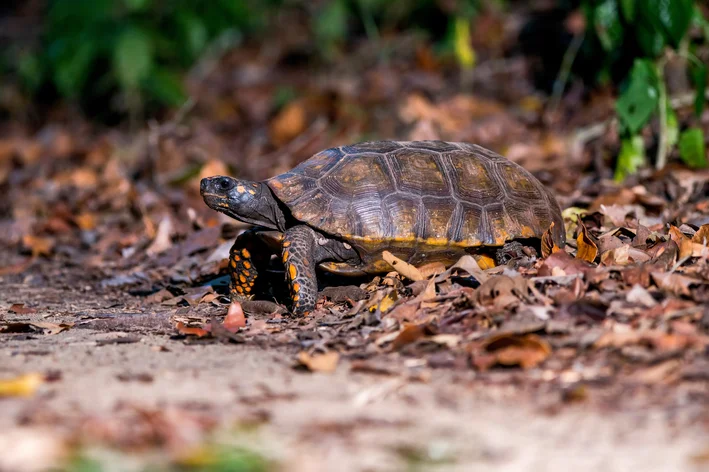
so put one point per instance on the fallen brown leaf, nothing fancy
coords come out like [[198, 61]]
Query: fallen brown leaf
[[235, 318], [21, 309], [191, 331], [587, 249], [525, 351], [326, 362]]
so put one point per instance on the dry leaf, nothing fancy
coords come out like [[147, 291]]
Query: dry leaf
[[289, 123], [326, 362], [506, 349], [674, 282], [22, 386], [402, 267], [37, 245], [235, 318], [587, 249], [431, 269], [548, 245], [191, 331], [20, 309], [702, 236], [163, 237], [683, 242]]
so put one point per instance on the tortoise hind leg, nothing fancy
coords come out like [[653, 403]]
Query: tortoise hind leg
[[248, 258]]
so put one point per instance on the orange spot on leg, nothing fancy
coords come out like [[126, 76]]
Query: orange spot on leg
[[286, 244], [296, 287], [246, 253], [285, 256], [242, 279], [292, 271], [247, 265], [239, 289]]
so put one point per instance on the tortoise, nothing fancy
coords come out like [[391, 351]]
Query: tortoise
[[423, 201]]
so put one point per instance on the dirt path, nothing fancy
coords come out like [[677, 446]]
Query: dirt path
[[117, 366]]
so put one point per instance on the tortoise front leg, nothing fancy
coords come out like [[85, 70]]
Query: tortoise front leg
[[248, 257], [299, 259]]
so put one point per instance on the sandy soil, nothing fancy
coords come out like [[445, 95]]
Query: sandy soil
[[420, 419]]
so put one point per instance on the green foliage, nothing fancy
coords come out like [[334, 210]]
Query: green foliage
[[137, 48], [634, 36], [692, 148]]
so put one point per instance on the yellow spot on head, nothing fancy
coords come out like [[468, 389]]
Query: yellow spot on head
[[242, 279], [252, 192], [296, 287], [292, 271], [240, 189], [254, 185], [246, 253]]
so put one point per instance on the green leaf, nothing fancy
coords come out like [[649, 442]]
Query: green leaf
[[639, 100], [608, 26], [193, 31], [628, 8], [692, 149], [136, 5], [331, 23], [631, 157], [30, 70], [166, 87], [699, 74], [132, 57], [72, 69], [671, 17], [648, 35]]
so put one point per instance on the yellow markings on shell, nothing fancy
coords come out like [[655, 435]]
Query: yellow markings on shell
[[296, 287], [246, 253], [242, 279], [247, 265], [240, 189], [292, 271]]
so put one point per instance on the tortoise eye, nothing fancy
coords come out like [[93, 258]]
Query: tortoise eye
[[224, 184]]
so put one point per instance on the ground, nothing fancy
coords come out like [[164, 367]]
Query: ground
[[121, 376]]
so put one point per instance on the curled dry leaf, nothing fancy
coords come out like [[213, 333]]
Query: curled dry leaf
[[23, 386], [525, 351], [431, 269], [402, 267], [502, 291], [191, 331], [408, 334], [326, 362], [38, 246], [587, 249], [682, 241], [235, 318], [548, 245], [701, 237], [565, 264]]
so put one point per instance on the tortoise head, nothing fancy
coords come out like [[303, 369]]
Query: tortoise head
[[250, 202]]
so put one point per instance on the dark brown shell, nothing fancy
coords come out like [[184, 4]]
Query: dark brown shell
[[421, 193]]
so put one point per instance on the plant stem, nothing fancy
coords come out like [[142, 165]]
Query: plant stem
[[662, 104]]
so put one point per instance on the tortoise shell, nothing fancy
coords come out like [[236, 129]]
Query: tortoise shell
[[419, 196]]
